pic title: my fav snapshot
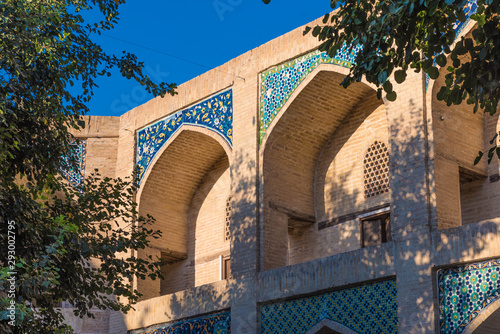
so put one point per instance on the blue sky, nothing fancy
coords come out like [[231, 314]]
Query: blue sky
[[193, 33]]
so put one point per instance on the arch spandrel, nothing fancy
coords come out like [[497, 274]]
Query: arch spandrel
[[279, 83], [214, 113], [466, 293]]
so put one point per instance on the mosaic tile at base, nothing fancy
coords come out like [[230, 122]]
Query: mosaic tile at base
[[76, 176], [370, 309], [464, 292], [214, 113], [278, 83], [219, 323]]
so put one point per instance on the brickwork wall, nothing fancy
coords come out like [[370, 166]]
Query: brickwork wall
[[459, 135], [479, 198], [309, 164], [291, 153], [206, 224], [339, 185], [101, 138]]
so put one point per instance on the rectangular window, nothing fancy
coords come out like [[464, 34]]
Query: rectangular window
[[375, 229], [226, 271]]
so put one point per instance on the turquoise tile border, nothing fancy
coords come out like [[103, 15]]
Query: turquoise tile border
[[219, 323], [214, 113], [370, 308], [464, 292], [278, 83]]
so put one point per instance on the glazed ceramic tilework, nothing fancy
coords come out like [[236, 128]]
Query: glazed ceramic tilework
[[370, 309], [469, 9], [78, 150], [278, 83], [211, 324], [464, 292], [214, 113]]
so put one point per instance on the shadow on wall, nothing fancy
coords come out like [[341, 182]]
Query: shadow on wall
[[419, 246], [219, 295]]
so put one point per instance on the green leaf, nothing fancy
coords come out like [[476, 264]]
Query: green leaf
[[441, 60], [382, 77], [392, 96], [433, 72], [400, 76], [478, 158], [387, 86], [482, 54]]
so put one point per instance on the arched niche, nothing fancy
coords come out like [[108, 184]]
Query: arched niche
[[297, 152], [185, 190]]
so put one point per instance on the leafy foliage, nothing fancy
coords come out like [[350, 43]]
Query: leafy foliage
[[72, 245], [419, 34]]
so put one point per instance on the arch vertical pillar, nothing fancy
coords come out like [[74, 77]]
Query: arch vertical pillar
[[411, 213]]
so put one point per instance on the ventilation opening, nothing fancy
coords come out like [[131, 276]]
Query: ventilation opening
[[376, 169], [227, 223]]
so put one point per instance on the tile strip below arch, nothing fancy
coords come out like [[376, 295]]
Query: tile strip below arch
[[214, 113]]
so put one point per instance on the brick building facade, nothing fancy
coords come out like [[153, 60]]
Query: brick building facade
[[289, 204]]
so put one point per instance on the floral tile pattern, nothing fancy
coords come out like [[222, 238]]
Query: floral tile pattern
[[464, 292], [211, 324], [214, 113], [78, 151], [469, 9], [278, 83], [370, 309]]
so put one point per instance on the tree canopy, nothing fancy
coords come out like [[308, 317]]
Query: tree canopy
[[397, 36], [58, 242]]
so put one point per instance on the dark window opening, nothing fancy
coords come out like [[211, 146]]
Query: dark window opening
[[226, 268], [376, 229]]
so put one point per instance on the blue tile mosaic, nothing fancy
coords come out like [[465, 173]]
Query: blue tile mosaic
[[278, 83], [469, 9], [371, 308], [78, 152], [211, 324], [464, 292], [214, 113]]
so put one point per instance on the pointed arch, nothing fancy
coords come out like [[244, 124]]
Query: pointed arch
[[189, 128], [181, 191], [295, 139]]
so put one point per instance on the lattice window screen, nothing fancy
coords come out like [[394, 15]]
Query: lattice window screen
[[376, 169], [227, 233]]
